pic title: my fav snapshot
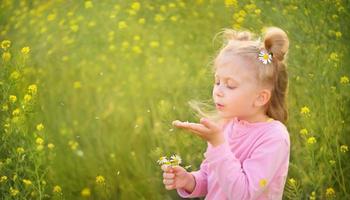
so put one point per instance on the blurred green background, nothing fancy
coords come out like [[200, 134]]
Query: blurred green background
[[111, 76]]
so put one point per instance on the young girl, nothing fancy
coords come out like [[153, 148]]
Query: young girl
[[248, 149]]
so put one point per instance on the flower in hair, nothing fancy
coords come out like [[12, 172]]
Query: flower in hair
[[265, 57]]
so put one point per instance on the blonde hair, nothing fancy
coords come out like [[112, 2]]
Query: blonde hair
[[273, 75]]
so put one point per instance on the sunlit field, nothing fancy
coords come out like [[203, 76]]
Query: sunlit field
[[89, 90]]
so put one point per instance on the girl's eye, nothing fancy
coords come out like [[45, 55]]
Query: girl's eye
[[231, 88]]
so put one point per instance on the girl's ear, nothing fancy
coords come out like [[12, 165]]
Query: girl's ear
[[262, 98]]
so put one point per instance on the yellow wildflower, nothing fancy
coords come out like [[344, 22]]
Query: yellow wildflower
[[174, 18], [330, 192], [311, 140], [292, 181], [12, 98], [332, 162], [27, 98], [50, 146], [74, 28], [122, 25], [333, 57], [137, 38], [136, 6], [3, 179], [125, 44], [14, 75], [137, 49], [159, 18], [76, 85], [344, 80], [142, 21], [304, 131], [27, 182], [344, 148], [305, 110], [13, 192], [39, 140], [51, 17], [92, 24], [262, 182], [229, 3], [313, 195], [20, 150], [100, 179], [257, 11], [40, 127], [154, 44], [338, 34], [32, 89], [57, 189], [25, 50], [5, 44], [85, 192], [73, 144], [16, 112], [88, 4]]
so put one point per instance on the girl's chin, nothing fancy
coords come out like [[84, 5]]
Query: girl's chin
[[225, 114]]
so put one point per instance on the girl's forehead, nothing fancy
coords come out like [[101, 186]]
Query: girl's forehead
[[231, 71]]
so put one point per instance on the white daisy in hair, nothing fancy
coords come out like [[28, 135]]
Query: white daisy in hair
[[265, 57]]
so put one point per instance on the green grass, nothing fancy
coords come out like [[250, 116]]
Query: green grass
[[107, 93]]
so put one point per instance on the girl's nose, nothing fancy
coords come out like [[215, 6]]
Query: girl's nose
[[218, 91]]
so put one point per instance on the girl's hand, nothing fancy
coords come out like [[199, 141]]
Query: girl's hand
[[177, 177], [207, 130]]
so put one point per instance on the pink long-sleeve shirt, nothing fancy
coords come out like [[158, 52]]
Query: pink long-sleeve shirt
[[251, 164]]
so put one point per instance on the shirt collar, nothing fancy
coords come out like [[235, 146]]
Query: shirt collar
[[245, 124]]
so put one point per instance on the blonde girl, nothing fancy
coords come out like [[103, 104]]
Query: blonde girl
[[247, 156]]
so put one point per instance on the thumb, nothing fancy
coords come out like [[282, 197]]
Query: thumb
[[176, 169]]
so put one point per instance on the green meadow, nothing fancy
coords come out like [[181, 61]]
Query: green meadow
[[89, 90]]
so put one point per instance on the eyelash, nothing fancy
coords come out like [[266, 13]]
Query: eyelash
[[231, 88]]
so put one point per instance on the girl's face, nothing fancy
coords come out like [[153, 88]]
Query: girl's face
[[235, 89]]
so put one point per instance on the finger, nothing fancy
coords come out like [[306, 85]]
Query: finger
[[168, 175], [169, 187], [166, 168], [177, 169], [168, 181], [192, 126], [209, 124], [180, 124]]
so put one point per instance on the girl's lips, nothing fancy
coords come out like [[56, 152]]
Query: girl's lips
[[219, 106]]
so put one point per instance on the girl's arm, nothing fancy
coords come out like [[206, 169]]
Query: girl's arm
[[200, 183], [200, 176], [248, 180]]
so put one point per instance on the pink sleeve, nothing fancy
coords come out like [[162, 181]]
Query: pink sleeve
[[246, 180], [200, 177]]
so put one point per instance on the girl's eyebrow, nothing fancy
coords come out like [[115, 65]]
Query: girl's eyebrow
[[227, 77]]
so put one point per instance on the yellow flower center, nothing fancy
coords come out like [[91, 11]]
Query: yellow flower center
[[266, 56]]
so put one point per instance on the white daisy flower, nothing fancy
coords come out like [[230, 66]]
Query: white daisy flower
[[175, 159], [163, 160], [265, 57]]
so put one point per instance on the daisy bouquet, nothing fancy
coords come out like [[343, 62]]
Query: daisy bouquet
[[174, 160]]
